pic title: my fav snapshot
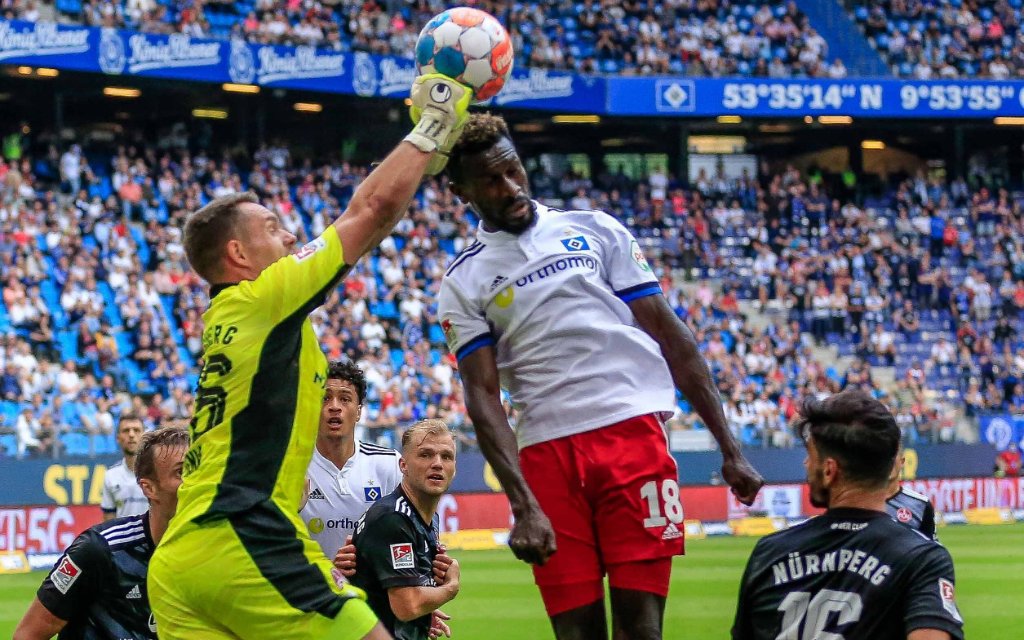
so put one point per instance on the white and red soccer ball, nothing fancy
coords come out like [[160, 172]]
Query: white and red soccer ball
[[467, 45]]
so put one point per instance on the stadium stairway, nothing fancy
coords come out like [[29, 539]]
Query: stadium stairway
[[845, 40]]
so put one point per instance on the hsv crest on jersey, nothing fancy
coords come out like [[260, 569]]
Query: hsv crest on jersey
[[903, 514], [371, 494], [576, 243], [402, 556], [65, 574]]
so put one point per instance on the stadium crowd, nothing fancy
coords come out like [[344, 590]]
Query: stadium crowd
[[101, 313], [696, 38], [932, 40]]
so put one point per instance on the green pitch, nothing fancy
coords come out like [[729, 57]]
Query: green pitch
[[499, 602]]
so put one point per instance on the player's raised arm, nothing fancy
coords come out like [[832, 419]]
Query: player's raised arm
[[439, 106], [692, 377], [532, 537]]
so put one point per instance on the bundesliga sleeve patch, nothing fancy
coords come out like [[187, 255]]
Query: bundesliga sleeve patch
[[948, 595], [450, 335], [65, 574], [402, 556], [638, 256], [309, 249]]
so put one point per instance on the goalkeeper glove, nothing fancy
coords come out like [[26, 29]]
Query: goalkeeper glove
[[440, 110]]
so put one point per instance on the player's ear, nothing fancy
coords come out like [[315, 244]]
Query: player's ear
[[234, 251], [402, 466], [147, 487], [830, 470]]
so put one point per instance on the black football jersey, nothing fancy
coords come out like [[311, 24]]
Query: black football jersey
[[395, 548], [99, 584], [850, 574], [914, 510]]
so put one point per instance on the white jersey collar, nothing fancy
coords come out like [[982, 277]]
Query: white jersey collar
[[497, 237], [328, 466]]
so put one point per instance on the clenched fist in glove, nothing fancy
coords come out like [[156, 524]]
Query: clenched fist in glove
[[439, 109]]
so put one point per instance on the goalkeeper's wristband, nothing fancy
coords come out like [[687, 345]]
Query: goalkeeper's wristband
[[430, 133]]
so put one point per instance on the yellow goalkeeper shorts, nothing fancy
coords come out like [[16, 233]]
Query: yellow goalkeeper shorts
[[253, 575]]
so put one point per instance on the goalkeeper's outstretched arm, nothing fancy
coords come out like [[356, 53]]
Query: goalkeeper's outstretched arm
[[439, 109]]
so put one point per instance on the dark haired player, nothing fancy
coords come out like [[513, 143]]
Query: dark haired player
[[852, 573], [561, 309], [98, 587], [345, 476]]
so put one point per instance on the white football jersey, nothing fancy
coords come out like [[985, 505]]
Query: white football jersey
[[553, 301], [122, 494], [339, 497]]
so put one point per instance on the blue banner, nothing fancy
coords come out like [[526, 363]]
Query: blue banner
[[798, 98], [180, 57], [125, 53], [1000, 429]]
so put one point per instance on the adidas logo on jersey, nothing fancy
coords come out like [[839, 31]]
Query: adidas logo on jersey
[[317, 494], [497, 282], [134, 594], [671, 532]]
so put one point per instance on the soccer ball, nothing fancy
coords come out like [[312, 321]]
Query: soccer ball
[[467, 45]]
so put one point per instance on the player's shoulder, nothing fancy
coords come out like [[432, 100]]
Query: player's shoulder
[[914, 495], [375, 450], [786, 538], [457, 266], [120, 532], [393, 510], [596, 219]]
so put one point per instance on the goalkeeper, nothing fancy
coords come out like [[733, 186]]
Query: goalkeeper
[[237, 560]]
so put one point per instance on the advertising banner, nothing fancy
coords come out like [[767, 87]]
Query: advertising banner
[[867, 98], [177, 56], [44, 530]]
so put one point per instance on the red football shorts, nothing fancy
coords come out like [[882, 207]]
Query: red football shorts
[[612, 497]]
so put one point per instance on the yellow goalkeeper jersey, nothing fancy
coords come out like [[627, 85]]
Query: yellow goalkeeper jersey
[[260, 390]]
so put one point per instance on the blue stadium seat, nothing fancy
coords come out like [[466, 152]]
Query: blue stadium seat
[[111, 312], [73, 7], [9, 444], [436, 335], [75, 444]]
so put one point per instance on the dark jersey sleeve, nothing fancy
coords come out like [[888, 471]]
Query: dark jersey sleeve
[[389, 546], [931, 598], [77, 577], [741, 625]]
